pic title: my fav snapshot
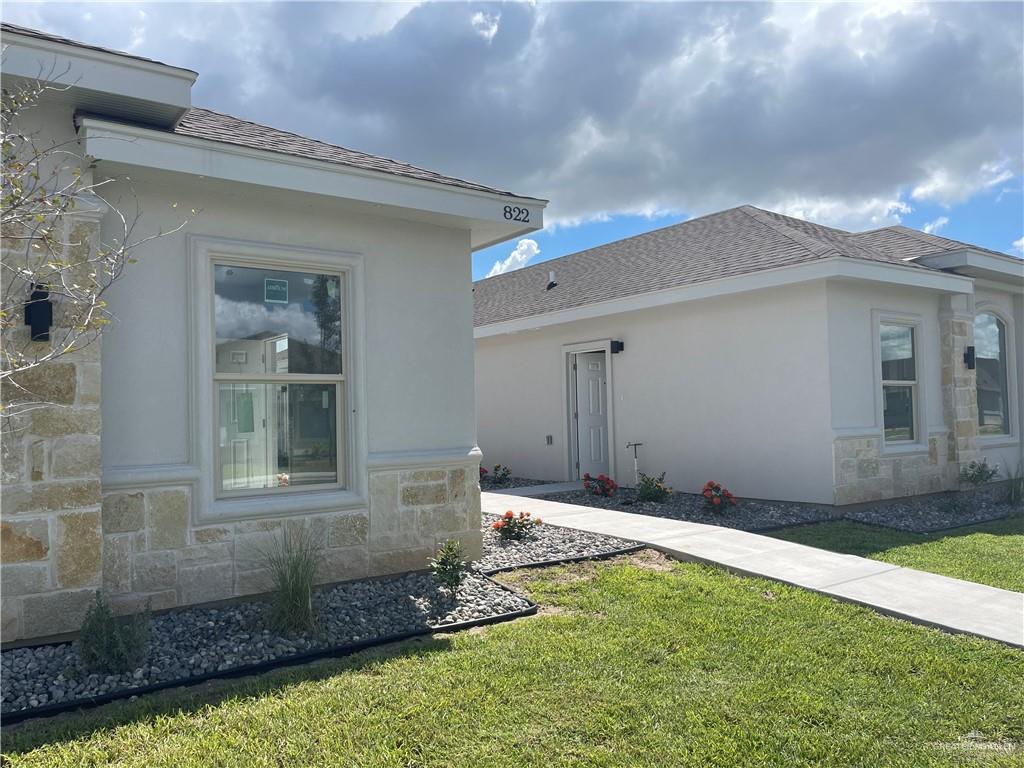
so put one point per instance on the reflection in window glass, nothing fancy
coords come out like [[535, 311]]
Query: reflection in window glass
[[898, 353], [277, 435], [991, 365], [273, 321], [899, 378]]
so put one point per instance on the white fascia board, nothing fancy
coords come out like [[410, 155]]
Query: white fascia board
[[99, 72], [482, 212], [1005, 269], [839, 267]]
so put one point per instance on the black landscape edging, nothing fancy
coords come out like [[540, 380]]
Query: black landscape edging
[[338, 651], [565, 560]]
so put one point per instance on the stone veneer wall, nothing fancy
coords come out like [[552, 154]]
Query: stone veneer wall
[[152, 552], [864, 473], [50, 530]]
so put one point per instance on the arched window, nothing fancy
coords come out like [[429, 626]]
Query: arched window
[[993, 390]]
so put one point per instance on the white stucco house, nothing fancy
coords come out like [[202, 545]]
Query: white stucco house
[[784, 359], [300, 353]]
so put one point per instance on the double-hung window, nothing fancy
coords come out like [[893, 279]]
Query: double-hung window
[[279, 379], [899, 382]]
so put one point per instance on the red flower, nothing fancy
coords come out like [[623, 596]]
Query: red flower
[[498, 525], [716, 501], [509, 515]]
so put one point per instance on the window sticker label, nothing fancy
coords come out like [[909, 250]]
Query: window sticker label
[[275, 291]]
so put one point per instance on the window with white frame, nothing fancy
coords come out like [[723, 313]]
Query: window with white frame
[[899, 382], [279, 379], [992, 380]]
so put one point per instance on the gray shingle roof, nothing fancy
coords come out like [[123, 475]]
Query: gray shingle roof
[[202, 123], [14, 29], [733, 242]]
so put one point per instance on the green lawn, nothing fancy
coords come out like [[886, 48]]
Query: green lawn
[[666, 666], [990, 553]]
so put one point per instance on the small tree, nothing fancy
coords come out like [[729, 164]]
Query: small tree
[[45, 258]]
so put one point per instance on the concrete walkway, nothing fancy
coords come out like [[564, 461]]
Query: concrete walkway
[[925, 598], [542, 490]]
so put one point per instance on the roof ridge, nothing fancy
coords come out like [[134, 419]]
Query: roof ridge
[[812, 244], [612, 242]]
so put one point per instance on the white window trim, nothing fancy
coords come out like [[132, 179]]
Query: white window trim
[[1013, 438], [204, 251], [920, 442]]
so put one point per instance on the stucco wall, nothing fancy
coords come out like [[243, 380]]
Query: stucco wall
[[157, 538], [731, 389]]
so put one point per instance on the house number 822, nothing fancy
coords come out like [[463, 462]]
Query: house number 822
[[515, 213]]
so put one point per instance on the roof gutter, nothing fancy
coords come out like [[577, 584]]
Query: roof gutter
[[836, 267]]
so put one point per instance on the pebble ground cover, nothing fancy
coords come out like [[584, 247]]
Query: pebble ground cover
[[634, 662]]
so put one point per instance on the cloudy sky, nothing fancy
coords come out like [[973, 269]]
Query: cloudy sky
[[629, 116]]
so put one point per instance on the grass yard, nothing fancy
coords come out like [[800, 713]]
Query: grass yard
[[640, 662], [989, 553]]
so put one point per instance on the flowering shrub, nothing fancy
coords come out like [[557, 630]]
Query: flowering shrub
[[652, 488], [602, 485], [716, 496], [483, 472], [501, 474], [517, 527]]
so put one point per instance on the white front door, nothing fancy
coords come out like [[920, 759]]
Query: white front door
[[590, 395]]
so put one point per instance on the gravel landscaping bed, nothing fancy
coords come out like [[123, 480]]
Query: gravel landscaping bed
[[546, 543], [921, 515], [936, 513], [198, 641], [488, 484]]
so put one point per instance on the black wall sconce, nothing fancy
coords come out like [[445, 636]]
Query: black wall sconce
[[969, 358], [39, 313], [617, 346]]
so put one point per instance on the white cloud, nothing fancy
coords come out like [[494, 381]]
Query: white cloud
[[485, 24], [934, 227], [1018, 245], [853, 215], [525, 250], [844, 111]]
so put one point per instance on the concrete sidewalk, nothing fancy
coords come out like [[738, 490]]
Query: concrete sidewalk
[[925, 598], [541, 490]]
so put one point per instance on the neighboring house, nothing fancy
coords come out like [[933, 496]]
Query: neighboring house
[[301, 353], [785, 359]]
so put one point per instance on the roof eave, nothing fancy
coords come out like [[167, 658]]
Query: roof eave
[[839, 267], [977, 264], [482, 213]]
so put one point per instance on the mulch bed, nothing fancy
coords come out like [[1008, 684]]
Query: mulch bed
[[920, 515]]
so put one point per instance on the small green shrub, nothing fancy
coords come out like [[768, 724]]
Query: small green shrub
[[650, 488], [515, 527], [501, 474], [112, 645], [293, 561], [449, 566], [1015, 487], [977, 473]]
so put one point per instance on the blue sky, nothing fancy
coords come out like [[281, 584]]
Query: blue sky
[[628, 116], [994, 219]]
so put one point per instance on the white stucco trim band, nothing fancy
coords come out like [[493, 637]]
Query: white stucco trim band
[[1005, 270], [839, 267], [415, 459], [476, 210]]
